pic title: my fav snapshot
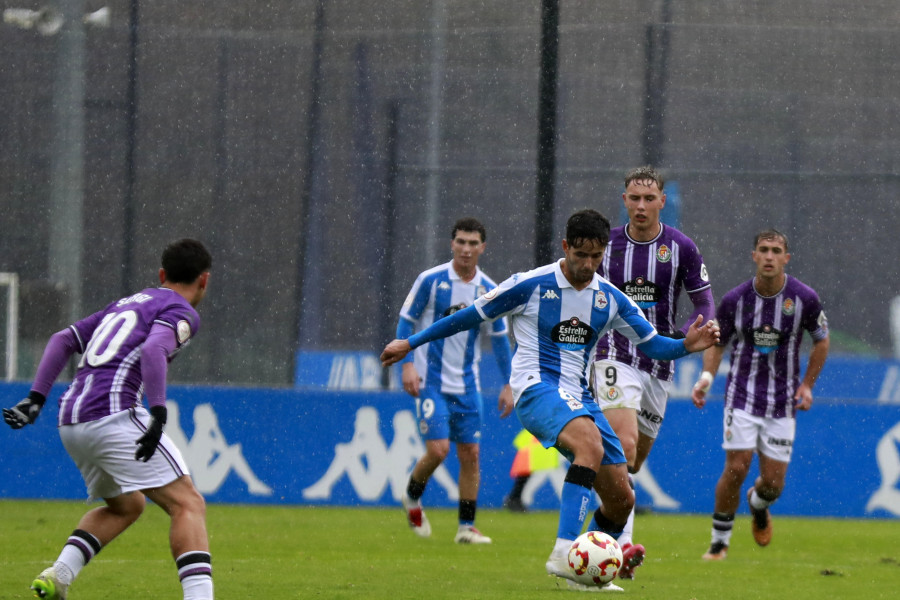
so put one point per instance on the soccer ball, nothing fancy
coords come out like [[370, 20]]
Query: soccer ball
[[595, 558]]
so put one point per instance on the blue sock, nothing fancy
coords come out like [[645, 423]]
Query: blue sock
[[575, 501]]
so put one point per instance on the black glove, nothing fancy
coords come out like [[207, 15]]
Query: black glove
[[25, 412], [148, 442]]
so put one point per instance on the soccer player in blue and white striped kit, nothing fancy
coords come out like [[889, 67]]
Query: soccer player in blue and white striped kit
[[557, 313], [444, 377]]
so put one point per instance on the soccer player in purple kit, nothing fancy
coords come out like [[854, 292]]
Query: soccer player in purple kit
[[766, 318], [118, 445], [652, 263]]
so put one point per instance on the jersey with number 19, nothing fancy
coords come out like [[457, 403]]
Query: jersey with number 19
[[109, 379], [556, 327]]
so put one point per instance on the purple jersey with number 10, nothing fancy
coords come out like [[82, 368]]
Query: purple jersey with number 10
[[108, 379], [767, 331]]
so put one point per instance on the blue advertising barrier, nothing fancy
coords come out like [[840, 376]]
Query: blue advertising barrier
[[316, 446]]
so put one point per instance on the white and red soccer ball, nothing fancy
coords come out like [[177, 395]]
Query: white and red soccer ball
[[595, 558]]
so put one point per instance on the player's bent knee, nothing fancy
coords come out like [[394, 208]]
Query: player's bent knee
[[194, 501]]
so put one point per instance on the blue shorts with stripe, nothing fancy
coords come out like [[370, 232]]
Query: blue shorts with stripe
[[544, 410]]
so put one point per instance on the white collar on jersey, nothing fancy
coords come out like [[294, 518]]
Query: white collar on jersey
[[562, 282], [454, 275], [634, 241]]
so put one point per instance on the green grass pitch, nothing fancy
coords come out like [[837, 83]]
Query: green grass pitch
[[269, 552]]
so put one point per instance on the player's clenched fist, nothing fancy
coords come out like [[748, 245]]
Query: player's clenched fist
[[25, 411]]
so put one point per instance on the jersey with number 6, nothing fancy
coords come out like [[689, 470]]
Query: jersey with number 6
[[108, 379]]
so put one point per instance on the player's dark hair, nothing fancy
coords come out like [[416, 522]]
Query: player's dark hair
[[770, 234], [587, 225], [469, 224], [645, 173], [185, 260]]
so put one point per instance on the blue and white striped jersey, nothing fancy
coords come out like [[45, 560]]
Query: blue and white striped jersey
[[556, 327], [437, 293]]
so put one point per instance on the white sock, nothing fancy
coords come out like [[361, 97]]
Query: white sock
[[721, 536], [195, 573], [628, 530], [80, 548], [757, 502], [197, 587], [723, 524]]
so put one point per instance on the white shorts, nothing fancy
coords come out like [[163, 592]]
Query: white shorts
[[617, 385], [103, 451], [772, 437]]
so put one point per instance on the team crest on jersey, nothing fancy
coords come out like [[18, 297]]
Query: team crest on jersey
[[663, 254], [455, 308], [183, 329], [613, 393], [645, 293], [788, 307], [600, 300], [572, 334], [766, 339]]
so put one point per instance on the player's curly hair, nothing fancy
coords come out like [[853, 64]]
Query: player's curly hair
[[585, 225], [469, 224], [645, 173], [185, 260]]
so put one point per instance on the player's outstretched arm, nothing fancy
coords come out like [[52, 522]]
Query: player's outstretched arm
[[60, 347], [394, 352], [699, 337], [461, 320]]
